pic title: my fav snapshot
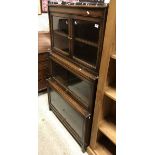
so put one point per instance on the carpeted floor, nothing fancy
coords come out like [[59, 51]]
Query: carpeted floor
[[53, 138]]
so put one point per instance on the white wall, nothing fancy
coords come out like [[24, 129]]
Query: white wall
[[43, 23]]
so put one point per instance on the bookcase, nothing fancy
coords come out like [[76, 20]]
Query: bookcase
[[103, 134], [77, 35]]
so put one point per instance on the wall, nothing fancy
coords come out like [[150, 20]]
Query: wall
[[43, 23]]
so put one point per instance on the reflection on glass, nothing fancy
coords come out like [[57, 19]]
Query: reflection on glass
[[60, 24], [68, 113], [61, 43], [86, 30], [80, 88], [85, 52]]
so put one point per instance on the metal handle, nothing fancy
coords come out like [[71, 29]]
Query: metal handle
[[88, 12]]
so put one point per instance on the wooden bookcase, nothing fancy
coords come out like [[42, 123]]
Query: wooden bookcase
[[77, 35], [103, 135]]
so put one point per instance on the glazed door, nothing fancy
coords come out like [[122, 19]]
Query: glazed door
[[86, 35], [80, 88], [78, 38], [67, 112], [60, 33]]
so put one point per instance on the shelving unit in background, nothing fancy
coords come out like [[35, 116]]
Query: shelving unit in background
[[103, 135]]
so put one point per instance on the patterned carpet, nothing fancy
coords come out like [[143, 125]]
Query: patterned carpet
[[53, 138]]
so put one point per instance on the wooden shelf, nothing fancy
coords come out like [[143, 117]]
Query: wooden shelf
[[108, 129], [111, 92], [101, 150], [103, 134], [60, 33], [86, 42], [113, 56]]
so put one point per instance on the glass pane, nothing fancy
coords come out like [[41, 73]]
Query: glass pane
[[61, 43], [79, 87], [86, 30], [85, 52], [68, 113], [60, 24]]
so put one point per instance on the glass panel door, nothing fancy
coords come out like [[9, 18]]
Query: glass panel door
[[60, 34], [67, 112], [81, 89], [86, 38], [87, 30], [86, 53], [61, 43], [60, 24]]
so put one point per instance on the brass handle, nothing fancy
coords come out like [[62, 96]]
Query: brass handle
[[88, 12]]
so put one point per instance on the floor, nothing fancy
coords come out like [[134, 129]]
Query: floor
[[53, 138]]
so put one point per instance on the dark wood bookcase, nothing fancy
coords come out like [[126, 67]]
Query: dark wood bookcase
[[77, 35]]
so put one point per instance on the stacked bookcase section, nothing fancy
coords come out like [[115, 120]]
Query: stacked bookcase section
[[77, 34]]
